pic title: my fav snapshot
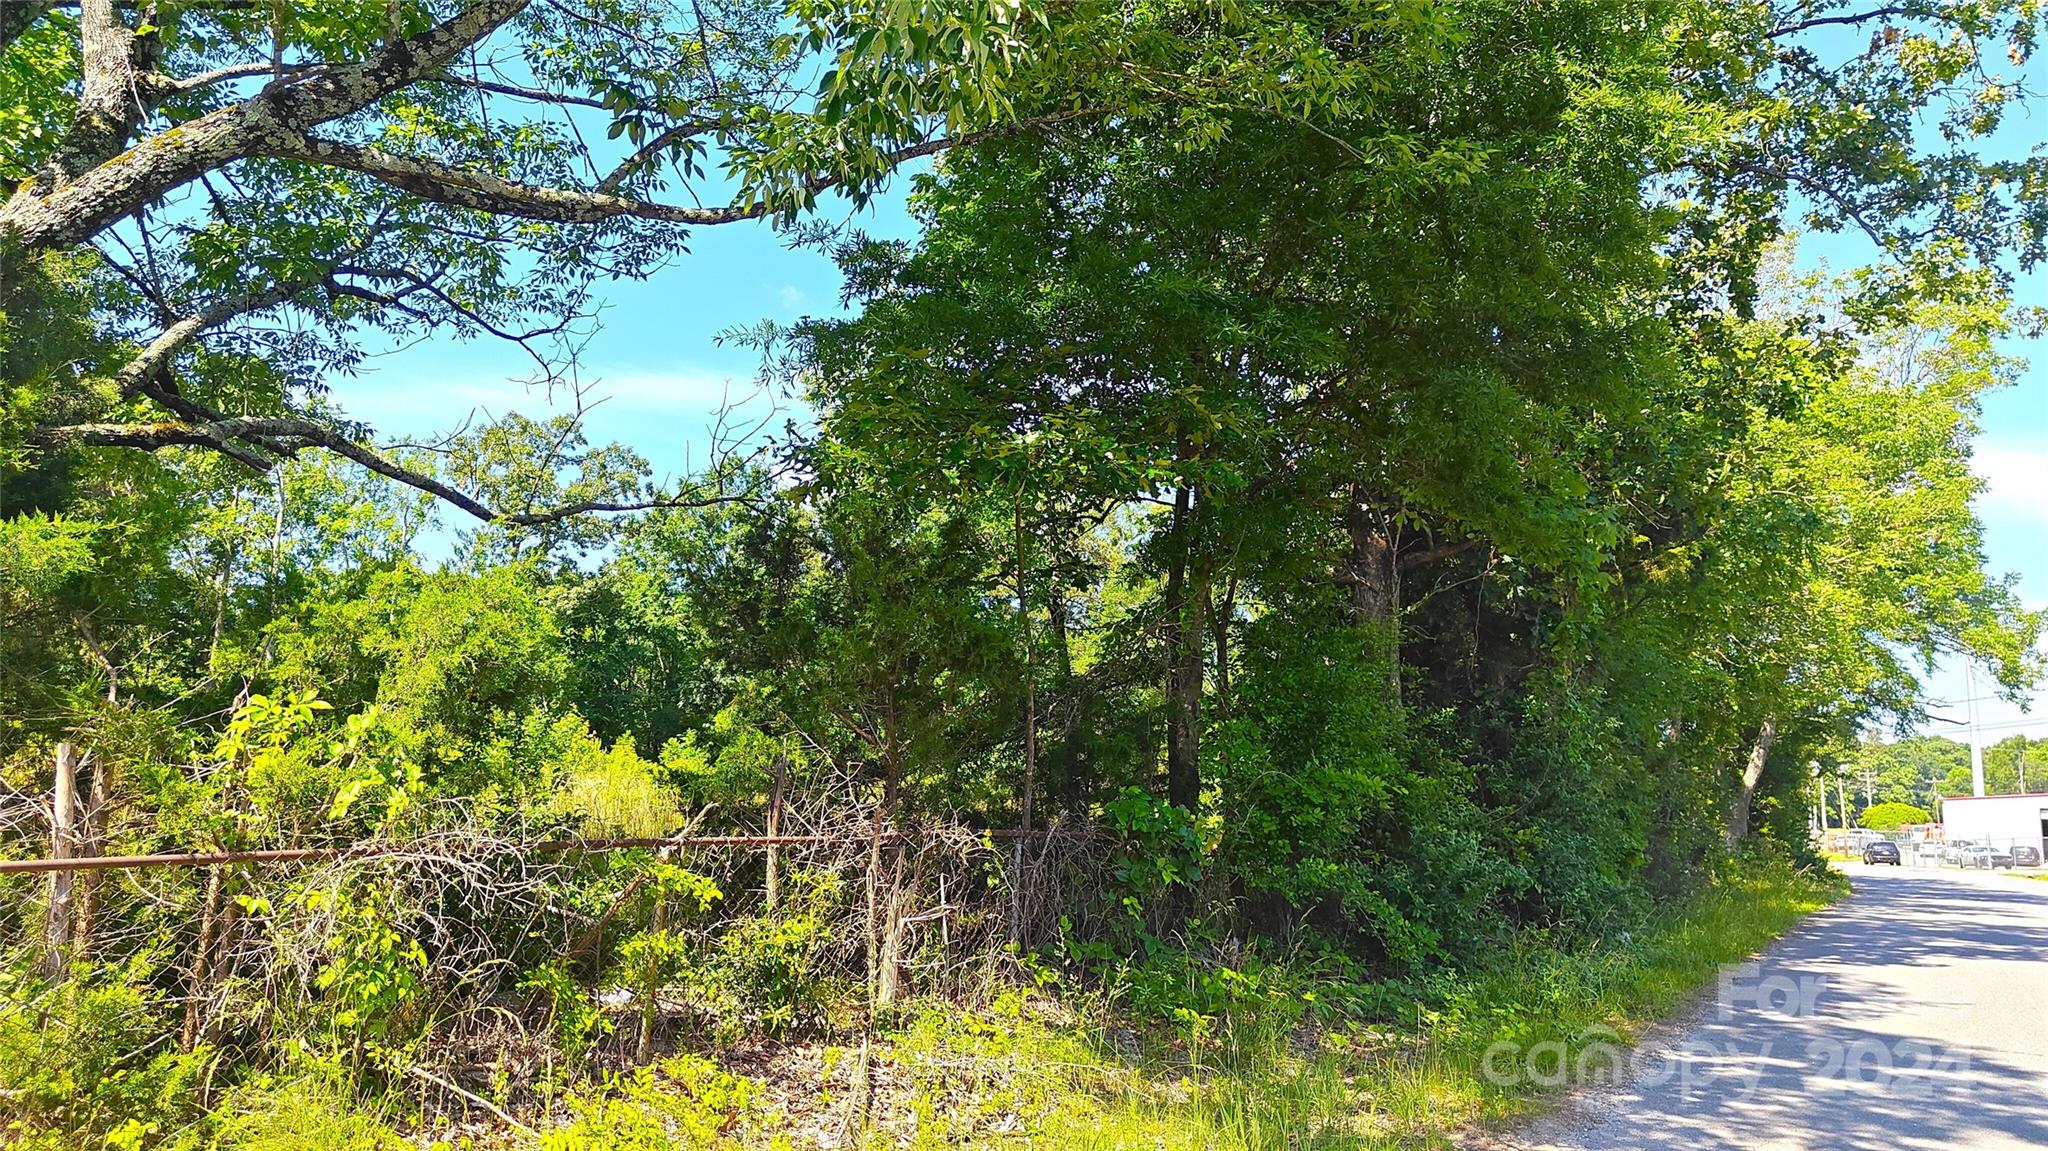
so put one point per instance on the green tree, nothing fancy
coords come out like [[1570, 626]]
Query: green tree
[[1889, 816]]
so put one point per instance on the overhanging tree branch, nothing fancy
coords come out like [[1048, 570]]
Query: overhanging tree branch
[[243, 71], [1797, 26], [158, 352], [58, 213], [519, 91], [484, 192], [262, 442]]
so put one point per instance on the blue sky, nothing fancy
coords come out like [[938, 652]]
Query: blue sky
[[659, 364]]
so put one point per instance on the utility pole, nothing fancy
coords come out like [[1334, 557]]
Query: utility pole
[[2023, 765], [1976, 740]]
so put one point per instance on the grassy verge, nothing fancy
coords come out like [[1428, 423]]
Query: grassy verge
[[1274, 1072]]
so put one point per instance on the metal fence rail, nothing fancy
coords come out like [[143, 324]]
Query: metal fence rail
[[489, 847]]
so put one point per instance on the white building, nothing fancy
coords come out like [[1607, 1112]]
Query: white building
[[2004, 821]]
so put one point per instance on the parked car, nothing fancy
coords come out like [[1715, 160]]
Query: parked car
[[2024, 856], [1953, 852], [1985, 856], [1883, 851]]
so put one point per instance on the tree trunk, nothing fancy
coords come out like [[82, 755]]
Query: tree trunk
[[1219, 626], [650, 988], [1187, 588], [107, 106], [1374, 577], [200, 977], [889, 989], [1017, 875], [91, 803], [1752, 774], [886, 932], [63, 805], [1067, 782]]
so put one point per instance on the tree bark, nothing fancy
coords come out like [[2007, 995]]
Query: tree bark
[[1219, 625], [18, 16], [107, 106], [1067, 783], [273, 121], [63, 805], [1187, 589], [199, 979], [650, 988], [1374, 577], [884, 910], [1752, 774], [1017, 874], [93, 800]]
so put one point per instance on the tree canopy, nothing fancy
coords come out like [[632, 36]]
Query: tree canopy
[[1389, 480]]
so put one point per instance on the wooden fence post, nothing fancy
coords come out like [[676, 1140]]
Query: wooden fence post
[[89, 828], [57, 928], [775, 829]]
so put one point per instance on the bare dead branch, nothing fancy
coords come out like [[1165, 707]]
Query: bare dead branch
[[160, 84], [1796, 26], [518, 92]]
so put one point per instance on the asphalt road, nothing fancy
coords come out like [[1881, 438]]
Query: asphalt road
[[1913, 1014]]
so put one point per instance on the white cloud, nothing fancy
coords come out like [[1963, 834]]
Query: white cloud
[[791, 295], [687, 390], [2016, 479]]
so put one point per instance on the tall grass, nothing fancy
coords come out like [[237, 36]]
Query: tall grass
[[1414, 1084]]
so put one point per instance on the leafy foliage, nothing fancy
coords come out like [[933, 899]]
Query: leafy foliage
[[1888, 816], [1385, 473]]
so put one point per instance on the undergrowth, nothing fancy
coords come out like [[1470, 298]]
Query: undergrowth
[[1296, 1063], [1234, 1052]]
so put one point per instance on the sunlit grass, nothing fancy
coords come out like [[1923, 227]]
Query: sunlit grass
[[1406, 1086]]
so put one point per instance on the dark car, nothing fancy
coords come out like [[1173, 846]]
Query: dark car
[[1883, 851], [2024, 856]]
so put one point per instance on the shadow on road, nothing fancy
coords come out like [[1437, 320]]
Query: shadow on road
[[1913, 1014]]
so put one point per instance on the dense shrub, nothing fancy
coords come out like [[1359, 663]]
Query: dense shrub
[[1887, 816]]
